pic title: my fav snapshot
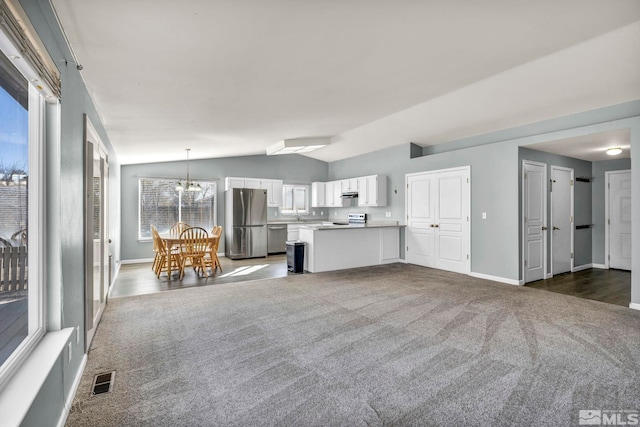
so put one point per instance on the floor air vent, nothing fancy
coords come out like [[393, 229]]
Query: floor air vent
[[103, 383]]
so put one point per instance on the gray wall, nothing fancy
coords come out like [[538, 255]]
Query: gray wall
[[494, 187], [291, 168], [582, 201], [65, 234], [598, 197], [495, 181]]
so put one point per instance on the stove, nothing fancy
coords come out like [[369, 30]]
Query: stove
[[357, 218]]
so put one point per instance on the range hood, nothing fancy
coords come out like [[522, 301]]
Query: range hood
[[350, 195]]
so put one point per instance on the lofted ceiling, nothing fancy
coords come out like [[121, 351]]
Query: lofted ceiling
[[231, 78], [592, 147]]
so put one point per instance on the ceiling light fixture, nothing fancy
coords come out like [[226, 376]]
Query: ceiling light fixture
[[614, 151], [189, 185], [297, 145]]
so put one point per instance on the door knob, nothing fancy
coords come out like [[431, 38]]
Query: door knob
[[436, 225], [556, 228], [544, 228]]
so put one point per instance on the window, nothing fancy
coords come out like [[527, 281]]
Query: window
[[295, 199], [21, 216], [161, 205]]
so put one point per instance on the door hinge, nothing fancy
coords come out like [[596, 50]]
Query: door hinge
[[467, 180], [571, 181], [467, 219], [571, 219], [467, 256], [571, 255], [525, 176], [609, 185], [609, 256], [525, 262], [407, 186], [407, 248], [609, 221]]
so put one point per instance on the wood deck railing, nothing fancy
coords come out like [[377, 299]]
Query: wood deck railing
[[13, 268]]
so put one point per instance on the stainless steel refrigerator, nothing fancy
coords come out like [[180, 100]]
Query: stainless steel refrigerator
[[245, 223]]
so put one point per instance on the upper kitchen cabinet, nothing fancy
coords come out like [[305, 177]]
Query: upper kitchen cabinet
[[318, 199], [349, 185], [333, 194], [372, 190], [273, 187], [274, 191]]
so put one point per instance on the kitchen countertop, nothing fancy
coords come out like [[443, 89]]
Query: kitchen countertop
[[326, 225]]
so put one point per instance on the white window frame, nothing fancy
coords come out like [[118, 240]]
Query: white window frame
[[215, 202], [35, 234], [293, 187]]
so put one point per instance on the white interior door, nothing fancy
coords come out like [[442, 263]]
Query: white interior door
[[452, 221], [561, 219], [420, 220], [534, 184], [96, 231], [619, 203], [438, 229]]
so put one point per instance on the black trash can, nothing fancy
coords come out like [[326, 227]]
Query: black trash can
[[295, 256]]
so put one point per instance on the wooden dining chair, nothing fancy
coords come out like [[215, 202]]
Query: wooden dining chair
[[193, 249], [212, 261], [156, 249], [168, 260], [177, 228]]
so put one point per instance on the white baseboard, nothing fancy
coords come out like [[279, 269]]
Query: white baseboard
[[634, 305], [497, 279], [548, 276], [72, 395], [602, 266], [136, 261], [581, 267]]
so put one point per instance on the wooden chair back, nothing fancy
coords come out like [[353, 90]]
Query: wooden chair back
[[217, 232], [177, 229]]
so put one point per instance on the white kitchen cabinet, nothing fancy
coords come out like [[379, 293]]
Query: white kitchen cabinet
[[274, 191], [318, 199], [253, 183], [231, 182], [372, 190], [349, 185], [293, 231], [333, 194]]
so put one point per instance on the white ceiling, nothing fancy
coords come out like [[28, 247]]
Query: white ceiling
[[229, 77], [591, 147]]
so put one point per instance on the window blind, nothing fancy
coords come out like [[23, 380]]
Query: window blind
[[16, 26]]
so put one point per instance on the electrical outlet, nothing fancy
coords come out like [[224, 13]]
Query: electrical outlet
[[321, 213], [335, 213], [313, 212], [484, 215], [275, 214], [388, 214], [70, 352], [78, 335]]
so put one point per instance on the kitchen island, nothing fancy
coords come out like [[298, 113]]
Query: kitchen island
[[337, 247]]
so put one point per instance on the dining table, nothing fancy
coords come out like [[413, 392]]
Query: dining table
[[172, 242]]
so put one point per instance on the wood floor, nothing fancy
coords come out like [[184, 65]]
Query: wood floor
[[610, 286], [138, 279]]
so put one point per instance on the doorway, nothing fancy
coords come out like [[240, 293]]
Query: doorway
[[96, 230], [562, 205], [618, 217], [438, 228]]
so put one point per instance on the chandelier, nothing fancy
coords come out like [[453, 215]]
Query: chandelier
[[189, 185]]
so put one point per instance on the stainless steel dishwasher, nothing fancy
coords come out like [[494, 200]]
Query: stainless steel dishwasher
[[276, 238]]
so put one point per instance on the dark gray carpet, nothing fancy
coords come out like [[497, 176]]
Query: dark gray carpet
[[389, 345]]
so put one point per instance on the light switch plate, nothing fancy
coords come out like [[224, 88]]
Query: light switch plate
[[388, 214], [484, 215]]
